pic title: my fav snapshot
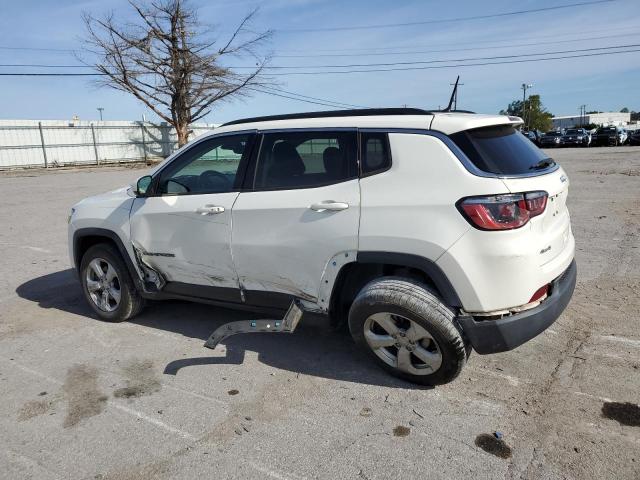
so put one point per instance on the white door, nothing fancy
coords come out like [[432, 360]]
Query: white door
[[304, 209], [183, 230]]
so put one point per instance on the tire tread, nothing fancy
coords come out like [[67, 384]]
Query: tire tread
[[424, 303]]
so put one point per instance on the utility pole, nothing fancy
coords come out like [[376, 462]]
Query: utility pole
[[100, 109], [525, 87], [580, 110], [583, 115], [455, 97]]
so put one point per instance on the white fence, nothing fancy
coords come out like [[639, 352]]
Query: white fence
[[53, 143]]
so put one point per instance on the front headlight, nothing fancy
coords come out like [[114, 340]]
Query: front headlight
[[580, 137], [73, 210]]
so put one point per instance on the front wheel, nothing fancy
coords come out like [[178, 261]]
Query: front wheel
[[408, 331], [107, 285]]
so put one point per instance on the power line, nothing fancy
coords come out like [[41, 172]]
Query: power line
[[431, 67], [362, 51], [446, 20], [323, 103], [316, 98], [388, 64], [37, 49], [415, 52], [277, 90], [38, 65], [474, 42], [421, 62], [38, 74]]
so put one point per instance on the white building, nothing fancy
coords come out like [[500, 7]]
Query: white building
[[604, 118]]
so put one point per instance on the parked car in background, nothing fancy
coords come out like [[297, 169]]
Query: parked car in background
[[626, 136], [534, 135], [551, 139], [609, 136], [576, 137], [634, 137]]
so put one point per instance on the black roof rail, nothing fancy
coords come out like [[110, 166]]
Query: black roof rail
[[363, 112], [451, 111]]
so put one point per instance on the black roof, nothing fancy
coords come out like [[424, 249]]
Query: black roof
[[363, 112]]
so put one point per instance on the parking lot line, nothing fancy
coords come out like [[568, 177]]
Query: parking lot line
[[274, 474], [153, 421], [111, 403], [514, 381], [628, 341], [195, 395], [595, 397]]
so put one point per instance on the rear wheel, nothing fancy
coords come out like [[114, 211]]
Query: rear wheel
[[107, 285], [408, 331]]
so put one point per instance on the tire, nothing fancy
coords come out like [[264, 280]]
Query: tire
[[415, 310], [106, 257]]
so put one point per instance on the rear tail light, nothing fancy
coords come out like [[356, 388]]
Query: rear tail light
[[503, 212]]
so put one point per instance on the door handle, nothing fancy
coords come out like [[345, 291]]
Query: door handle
[[329, 205], [210, 210]]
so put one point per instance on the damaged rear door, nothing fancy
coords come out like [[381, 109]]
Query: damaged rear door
[[183, 230]]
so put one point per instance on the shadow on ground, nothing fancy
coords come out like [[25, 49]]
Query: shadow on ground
[[314, 349]]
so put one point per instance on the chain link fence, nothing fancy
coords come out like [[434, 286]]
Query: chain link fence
[[54, 143]]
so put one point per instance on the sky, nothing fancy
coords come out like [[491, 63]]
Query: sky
[[328, 32]]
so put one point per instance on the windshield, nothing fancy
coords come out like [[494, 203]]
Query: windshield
[[553, 134], [607, 130], [501, 150], [573, 131]]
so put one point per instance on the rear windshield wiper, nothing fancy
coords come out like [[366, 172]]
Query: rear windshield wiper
[[542, 164]]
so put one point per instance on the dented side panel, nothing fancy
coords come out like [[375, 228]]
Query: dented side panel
[[282, 245], [181, 244]]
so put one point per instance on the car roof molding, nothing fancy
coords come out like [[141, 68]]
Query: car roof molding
[[359, 112]]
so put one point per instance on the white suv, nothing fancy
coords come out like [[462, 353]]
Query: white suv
[[428, 233]]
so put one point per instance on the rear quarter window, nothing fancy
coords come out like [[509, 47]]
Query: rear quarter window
[[375, 153], [501, 150]]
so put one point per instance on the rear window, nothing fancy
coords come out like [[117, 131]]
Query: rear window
[[501, 150]]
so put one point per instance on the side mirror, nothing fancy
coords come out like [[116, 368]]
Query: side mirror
[[142, 185]]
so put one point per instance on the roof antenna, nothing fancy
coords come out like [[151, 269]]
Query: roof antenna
[[453, 95]]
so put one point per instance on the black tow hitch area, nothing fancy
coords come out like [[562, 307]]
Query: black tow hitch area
[[287, 325]]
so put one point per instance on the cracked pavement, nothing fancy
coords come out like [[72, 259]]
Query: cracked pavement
[[86, 399]]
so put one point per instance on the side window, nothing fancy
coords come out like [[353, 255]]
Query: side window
[[305, 159], [376, 156], [209, 167]]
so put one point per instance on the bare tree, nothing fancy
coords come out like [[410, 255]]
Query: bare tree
[[168, 61]]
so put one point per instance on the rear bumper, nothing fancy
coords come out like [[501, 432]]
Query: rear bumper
[[493, 336]]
